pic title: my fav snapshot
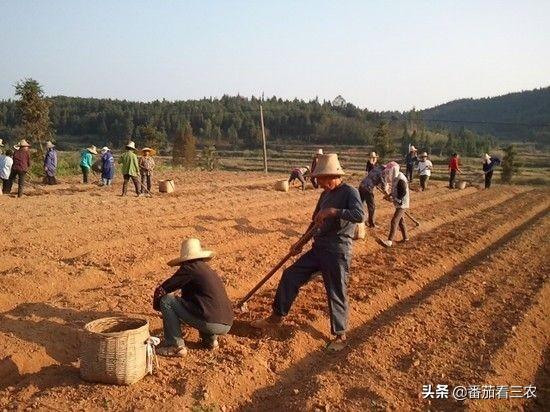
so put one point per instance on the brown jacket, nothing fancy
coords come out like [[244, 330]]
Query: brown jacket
[[21, 160]]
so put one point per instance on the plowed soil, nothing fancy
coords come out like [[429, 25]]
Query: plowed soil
[[466, 301]]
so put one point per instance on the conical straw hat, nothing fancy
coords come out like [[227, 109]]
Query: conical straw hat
[[191, 249], [328, 165], [92, 149], [152, 152]]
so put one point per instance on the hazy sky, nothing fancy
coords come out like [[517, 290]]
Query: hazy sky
[[377, 54]]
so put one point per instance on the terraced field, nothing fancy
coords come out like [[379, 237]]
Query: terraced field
[[467, 301]]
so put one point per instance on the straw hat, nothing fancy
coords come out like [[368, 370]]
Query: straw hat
[[22, 143], [131, 145], [373, 155], [328, 165], [92, 149], [152, 152], [319, 151], [412, 149], [424, 154], [486, 157], [49, 145], [1, 143], [105, 149], [191, 249]]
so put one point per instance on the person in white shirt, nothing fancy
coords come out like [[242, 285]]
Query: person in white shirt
[[6, 162], [424, 168]]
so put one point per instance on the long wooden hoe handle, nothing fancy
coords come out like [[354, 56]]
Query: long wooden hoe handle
[[303, 240]]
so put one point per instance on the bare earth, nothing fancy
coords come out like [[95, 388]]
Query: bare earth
[[467, 301]]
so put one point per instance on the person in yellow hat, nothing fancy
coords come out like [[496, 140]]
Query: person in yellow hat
[[338, 211], [146, 166], [86, 162], [203, 304]]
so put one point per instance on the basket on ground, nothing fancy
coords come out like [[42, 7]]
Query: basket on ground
[[360, 231], [282, 185], [113, 350], [462, 185], [166, 186]]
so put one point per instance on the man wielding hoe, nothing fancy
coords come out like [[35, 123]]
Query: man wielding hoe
[[375, 178], [338, 210]]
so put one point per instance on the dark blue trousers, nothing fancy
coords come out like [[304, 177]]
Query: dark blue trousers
[[334, 267]]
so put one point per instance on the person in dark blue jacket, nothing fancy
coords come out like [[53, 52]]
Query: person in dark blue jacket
[[410, 160], [338, 211], [107, 166], [489, 164]]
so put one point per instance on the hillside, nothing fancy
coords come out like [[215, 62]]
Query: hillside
[[516, 116]]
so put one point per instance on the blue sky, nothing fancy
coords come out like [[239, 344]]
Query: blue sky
[[377, 54]]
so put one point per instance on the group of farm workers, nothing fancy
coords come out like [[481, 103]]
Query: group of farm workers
[[14, 165], [203, 303], [132, 167]]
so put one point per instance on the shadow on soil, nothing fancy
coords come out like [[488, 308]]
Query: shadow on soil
[[303, 372]]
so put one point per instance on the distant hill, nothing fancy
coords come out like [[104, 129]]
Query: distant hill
[[516, 116]]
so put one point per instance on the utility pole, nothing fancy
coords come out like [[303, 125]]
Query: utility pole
[[263, 137]]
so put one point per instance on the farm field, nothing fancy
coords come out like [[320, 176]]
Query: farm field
[[467, 301]]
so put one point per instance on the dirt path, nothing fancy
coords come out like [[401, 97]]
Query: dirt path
[[436, 310]]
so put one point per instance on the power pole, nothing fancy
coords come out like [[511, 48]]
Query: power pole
[[263, 137]]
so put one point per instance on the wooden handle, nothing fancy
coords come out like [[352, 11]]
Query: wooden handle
[[301, 242]]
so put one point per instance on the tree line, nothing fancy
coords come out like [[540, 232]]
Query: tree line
[[230, 121]]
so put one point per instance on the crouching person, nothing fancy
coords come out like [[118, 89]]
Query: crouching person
[[203, 304]]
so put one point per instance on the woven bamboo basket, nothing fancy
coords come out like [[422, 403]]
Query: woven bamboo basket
[[282, 185], [166, 186], [113, 350], [462, 185], [360, 231]]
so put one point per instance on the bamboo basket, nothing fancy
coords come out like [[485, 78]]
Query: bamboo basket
[[462, 185], [282, 185], [113, 350], [360, 231], [166, 186]]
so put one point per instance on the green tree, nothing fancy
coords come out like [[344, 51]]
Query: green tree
[[233, 136], [34, 111], [510, 164], [178, 146], [209, 158], [152, 137], [189, 148], [383, 145]]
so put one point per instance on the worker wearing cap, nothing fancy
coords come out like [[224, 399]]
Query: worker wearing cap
[[410, 160], [424, 168], [338, 210], [313, 166]]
